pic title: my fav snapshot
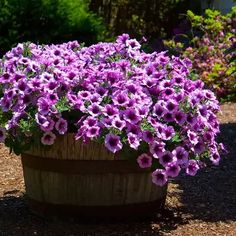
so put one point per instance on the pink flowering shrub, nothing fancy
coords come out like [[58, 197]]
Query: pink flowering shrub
[[112, 93], [210, 36]]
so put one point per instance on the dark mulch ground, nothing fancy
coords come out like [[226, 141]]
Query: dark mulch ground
[[201, 205]]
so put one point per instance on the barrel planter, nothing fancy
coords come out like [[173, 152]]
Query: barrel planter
[[89, 182]]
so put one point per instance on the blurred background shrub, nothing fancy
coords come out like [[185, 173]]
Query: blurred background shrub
[[48, 21], [89, 21], [206, 43], [154, 19]]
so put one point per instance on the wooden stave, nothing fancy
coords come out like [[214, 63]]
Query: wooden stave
[[125, 188]]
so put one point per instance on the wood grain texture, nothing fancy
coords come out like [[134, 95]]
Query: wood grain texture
[[86, 189]]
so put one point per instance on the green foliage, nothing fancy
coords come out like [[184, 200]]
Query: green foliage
[[27, 132], [47, 21], [146, 126], [63, 105], [4, 117], [176, 139]]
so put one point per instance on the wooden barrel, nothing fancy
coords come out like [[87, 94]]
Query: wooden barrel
[[87, 181]]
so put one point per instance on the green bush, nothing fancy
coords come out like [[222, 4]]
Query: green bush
[[47, 21]]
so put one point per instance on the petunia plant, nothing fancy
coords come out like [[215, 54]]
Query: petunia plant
[[112, 93]]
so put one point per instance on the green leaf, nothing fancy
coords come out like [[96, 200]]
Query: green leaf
[[176, 138], [62, 105], [231, 70]]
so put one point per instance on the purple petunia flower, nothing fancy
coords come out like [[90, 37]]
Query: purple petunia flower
[[118, 123], [131, 115], [192, 137], [168, 133], [132, 44], [181, 155], [143, 111], [61, 126], [81, 133], [134, 129], [173, 169], [41, 120], [48, 125], [95, 98], [209, 95], [93, 132], [208, 136], [114, 76], [192, 120], [51, 86], [90, 122], [48, 138], [106, 122], [171, 105], [110, 110], [203, 111], [178, 80], [43, 106], [11, 93], [22, 86], [26, 99], [192, 168], [179, 97], [113, 143], [5, 78], [34, 84], [148, 136], [121, 99], [132, 88], [122, 38], [101, 91], [199, 147], [157, 149], [168, 117], [52, 98], [84, 95], [180, 117], [168, 92], [133, 141], [5, 104], [159, 177], [166, 158], [159, 111], [94, 110], [215, 158], [144, 160]]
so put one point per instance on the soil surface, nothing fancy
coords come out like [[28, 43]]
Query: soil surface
[[200, 205]]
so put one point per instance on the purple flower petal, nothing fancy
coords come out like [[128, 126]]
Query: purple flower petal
[[113, 143], [159, 177], [48, 138], [144, 160]]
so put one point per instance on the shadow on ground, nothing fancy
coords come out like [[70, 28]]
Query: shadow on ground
[[16, 219], [211, 195]]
